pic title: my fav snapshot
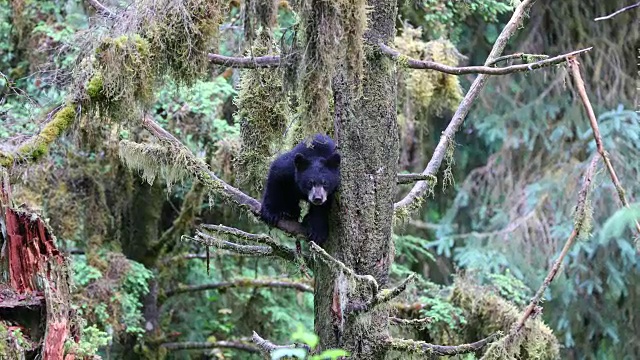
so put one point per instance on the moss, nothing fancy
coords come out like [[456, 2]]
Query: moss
[[488, 313], [38, 145], [95, 86]]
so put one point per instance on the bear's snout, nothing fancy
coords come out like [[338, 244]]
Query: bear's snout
[[317, 195]]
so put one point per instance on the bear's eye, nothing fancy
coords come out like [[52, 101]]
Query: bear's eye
[[324, 182]]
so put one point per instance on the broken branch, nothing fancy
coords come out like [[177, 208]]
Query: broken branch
[[192, 345], [268, 347], [383, 296]]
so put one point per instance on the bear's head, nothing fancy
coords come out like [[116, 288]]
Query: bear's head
[[317, 177]]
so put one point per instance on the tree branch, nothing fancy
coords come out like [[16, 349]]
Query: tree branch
[[420, 188], [246, 62], [419, 323], [278, 249], [215, 184], [255, 250], [241, 283], [337, 264], [577, 78], [192, 345], [425, 348], [268, 347], [487, 70], [384, 296], [410, 178], [580, 215], [520, 55], [617, 12]]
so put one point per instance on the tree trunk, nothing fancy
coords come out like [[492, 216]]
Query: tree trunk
[[367, 135]]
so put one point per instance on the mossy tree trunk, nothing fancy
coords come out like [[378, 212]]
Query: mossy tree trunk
[[367, 134]]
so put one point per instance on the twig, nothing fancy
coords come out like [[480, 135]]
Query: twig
[[487, 70], [577, 78], [580, 214], [192, 345], [240, 283], [383, 297], [215, 184], [422, 347], [268, 347], [331, 261], [421, 187], [617, 12]]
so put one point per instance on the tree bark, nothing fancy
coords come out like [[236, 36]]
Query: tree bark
[[367, 135]]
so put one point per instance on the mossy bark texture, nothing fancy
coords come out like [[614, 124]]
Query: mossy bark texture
[[367, 134]]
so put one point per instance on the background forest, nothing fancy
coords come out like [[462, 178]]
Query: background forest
[[145, 285]]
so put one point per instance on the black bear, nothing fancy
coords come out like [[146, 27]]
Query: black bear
[[310, 173]]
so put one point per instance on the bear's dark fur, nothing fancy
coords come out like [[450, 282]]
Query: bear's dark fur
[[304, 173]]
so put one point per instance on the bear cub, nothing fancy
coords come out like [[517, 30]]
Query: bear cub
[[304, 173]]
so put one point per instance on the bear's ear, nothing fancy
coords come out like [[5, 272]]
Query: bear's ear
[[301, 162], [333, 161]]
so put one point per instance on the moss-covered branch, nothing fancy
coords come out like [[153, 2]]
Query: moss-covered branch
[[268, 347], [192, 345], [278, 249], [582, 92], [243, 283], [424, 348], [195, 167], [254, 250], [382, 297], [38, 145], [413, 200]]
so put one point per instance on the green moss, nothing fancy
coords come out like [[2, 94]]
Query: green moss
[[95, 86]]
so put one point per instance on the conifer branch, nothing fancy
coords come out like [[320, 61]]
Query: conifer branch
[[421, 187], [580, 216], [382, 297]]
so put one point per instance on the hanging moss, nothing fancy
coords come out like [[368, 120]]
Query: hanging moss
[[264, 114], [428, 90]]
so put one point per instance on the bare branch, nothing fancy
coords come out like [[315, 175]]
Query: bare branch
[[268, 347], [278, 249], [487, 70], [420, 188], [245, 62], [580, 214], [215, 184], [617, 12], [422, 347], [240, 283], [383, 296], [192, 345], [577, 78]]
